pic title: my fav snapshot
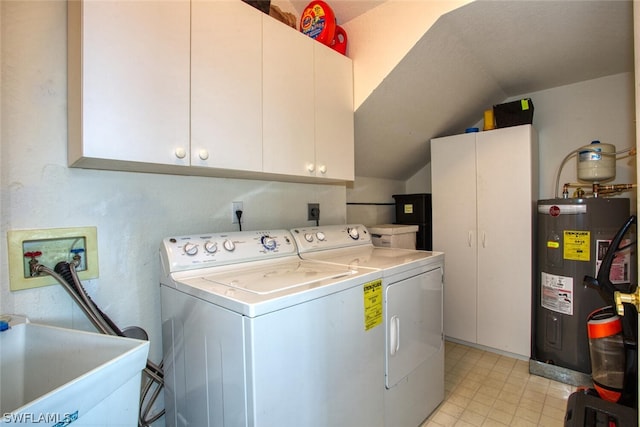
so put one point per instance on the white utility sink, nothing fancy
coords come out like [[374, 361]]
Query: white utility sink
[[52, 376]]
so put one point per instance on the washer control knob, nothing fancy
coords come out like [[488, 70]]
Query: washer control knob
[[308, 237], [321, 236], [353, 233], [269, 243], [211, 247], [190, 248], [228, 245]]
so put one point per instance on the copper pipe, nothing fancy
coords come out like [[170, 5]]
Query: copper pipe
[[609, 189]]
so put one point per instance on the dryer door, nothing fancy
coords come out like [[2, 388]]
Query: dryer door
[[413, 323]]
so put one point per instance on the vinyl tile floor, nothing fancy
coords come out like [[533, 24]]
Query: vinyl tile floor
[[488, 389]]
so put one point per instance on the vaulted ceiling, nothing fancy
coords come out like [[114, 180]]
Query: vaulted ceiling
[[474, 57]]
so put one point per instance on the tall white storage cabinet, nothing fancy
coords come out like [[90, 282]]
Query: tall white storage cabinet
[[484, 186]]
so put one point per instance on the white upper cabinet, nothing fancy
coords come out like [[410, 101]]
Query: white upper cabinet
[[205, 87], [129, 81], [226, 85], [308, 106], [334, 114], [288, 138]]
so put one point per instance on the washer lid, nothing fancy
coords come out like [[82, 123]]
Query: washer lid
[[281, 277], [254, 289], [387, 259]]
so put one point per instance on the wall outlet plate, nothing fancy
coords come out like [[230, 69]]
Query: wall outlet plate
[[313, 211], [236, 206], [56, 244]]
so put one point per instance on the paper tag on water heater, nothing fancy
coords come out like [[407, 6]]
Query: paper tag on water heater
[[408, 209]]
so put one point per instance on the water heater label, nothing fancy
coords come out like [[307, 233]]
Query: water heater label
[[372, 304], [577, 245], [620, 267], [557, 293]]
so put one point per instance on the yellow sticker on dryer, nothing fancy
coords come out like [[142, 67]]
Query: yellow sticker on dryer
[[577, 245], [372, 304]]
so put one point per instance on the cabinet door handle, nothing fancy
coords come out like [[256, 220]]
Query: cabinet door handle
[[394, 335], [469, 238], [311, 167], [181, 153], [484, 239]]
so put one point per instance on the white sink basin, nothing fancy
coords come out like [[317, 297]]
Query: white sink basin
[[52, 376]]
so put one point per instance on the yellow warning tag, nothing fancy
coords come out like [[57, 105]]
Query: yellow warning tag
[[408, 209], [372, 304], [553, 244], [577, 245], [524, 104]]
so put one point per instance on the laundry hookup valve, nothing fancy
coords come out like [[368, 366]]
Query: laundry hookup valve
[[33, 262]]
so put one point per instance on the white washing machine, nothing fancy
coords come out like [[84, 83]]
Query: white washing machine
[[255, 336], [413, 318]]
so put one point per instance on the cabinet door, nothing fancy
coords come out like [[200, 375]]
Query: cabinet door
[[226, 85], [288, 116], [334, 136], [453, 188], [129, 80], [505, 203]]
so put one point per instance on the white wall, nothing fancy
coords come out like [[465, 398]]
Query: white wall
[[371, 200], [132, 211], [421, 181], [569, 117], [380, 38]]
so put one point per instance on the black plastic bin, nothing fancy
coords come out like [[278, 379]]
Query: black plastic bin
[[514, 113], [415, 209]]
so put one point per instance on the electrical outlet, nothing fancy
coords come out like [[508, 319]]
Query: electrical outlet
[[48, 247], [236, 206], [313, 211]]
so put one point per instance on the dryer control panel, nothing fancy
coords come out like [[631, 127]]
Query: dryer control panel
[[320, 238], [180, 253]]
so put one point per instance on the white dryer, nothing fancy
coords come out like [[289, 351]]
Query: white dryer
[[413, 345], [255, 336]]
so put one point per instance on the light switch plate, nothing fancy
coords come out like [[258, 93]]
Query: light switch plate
[[56, 244]]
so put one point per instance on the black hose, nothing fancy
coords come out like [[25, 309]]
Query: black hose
[[64, 269], [88, 311]]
